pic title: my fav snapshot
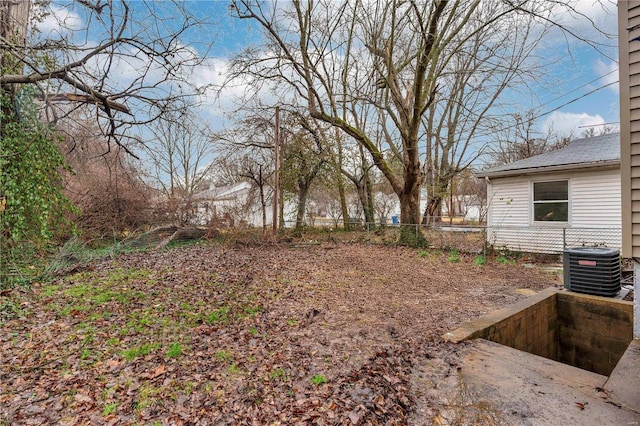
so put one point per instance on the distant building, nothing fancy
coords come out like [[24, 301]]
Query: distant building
[[535, 203], [230, 205]]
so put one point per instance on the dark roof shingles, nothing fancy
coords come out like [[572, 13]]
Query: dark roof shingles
[[593, 150]]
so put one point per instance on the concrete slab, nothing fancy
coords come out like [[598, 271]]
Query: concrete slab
[[526, 389], [525, 291], [623, 385], [478, 327]]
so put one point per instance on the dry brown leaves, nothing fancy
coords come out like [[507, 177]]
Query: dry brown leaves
[[222, 335]]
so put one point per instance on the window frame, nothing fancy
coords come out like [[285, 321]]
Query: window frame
[[534, 202]]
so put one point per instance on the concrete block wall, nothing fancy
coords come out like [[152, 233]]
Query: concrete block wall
[[532, 329], [589, 332], [528, 325], [593, 332]]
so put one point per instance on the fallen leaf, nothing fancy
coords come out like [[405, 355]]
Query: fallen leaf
[[161, 369]]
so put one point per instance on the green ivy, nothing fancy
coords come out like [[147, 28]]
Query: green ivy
[[30, 182]]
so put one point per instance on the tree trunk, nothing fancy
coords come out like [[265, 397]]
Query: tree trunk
[[437, 191], [431, 211], [263, 204], [410, 232], [302, 205], [14, 18], [364, 195], [340, 181], [369, 211], [410, 206], [343, 201]]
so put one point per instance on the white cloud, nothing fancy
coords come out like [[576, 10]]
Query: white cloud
[[583, 23], [568, 123], [212, 71], [584, 15], [59, 21], [610, 71], [603, 13]]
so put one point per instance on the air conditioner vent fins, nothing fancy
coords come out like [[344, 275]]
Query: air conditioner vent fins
[[592, 270]]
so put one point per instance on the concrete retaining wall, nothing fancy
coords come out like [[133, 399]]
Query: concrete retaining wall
[[528, 325], [589, 332], [593, 332]]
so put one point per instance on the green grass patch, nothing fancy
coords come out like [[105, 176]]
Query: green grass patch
[[147, 397], [85, 291], [50, 290], [139, 351], [480, 260], [252, 311], [74, 310], [223, 356], [278, 374], [114, 341], [454, 256], [109, 409], [318, 379], [174, 350], [219, 315], [234, 369], [505, 260]]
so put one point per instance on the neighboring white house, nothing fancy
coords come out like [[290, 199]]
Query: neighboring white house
[[239, 204], [236, 205], [566, 197], [466, 206], [233, 205]]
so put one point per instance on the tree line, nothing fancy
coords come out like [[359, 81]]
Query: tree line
[[380, 100]]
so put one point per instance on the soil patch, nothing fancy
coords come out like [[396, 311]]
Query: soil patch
[[210, 334]]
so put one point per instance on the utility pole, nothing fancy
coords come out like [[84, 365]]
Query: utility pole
[[276, 174]]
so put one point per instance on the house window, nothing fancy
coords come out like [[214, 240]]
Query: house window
[[551, 201]]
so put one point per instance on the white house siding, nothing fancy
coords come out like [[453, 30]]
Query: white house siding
[[594, 213], [508, 200], [596, 200]]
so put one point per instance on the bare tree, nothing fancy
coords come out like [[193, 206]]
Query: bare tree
[[107, 188], [304, 158], [121, 60], [255, 167], [519, 139], [397, 58], [493, 60], [336, 161], [360, 176], [467, 192], [384, 204], [248, 150], [180, 156], [599, 130]]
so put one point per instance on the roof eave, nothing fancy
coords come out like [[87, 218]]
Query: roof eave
[[610, 164]]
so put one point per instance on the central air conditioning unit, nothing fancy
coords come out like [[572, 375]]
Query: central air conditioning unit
[[592, 270]]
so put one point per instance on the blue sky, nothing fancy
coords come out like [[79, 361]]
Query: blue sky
[[586, 78], [576, 97]]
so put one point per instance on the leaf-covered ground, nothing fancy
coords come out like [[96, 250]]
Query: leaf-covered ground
[[210, 334]]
